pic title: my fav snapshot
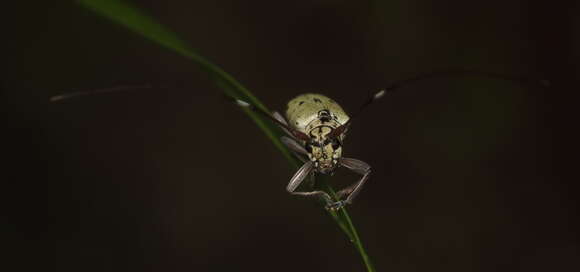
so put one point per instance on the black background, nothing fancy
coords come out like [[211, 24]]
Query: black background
[[470, 174]]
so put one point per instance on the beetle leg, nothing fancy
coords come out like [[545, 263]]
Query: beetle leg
[[295, 147], [352, 191], [300, 175], [281, 119], [296, 133]]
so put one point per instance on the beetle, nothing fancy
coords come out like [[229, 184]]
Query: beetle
[[316, 127]]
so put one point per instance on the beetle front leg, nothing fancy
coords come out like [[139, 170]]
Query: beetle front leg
[[352, 191], [296, 148], [297, 179], [281, 119]]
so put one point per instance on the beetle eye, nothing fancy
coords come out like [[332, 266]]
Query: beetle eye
[[308, 148], [335, 144]]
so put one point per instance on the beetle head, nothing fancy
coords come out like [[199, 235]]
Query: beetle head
[[324, 152]]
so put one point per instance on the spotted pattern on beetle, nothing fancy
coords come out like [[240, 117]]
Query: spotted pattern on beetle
[[316, 127], [303, 110]]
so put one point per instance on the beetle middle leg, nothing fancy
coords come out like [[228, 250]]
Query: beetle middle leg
[[352, 191], [297, 179]]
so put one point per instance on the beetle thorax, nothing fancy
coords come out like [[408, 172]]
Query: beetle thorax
[[325, 119]]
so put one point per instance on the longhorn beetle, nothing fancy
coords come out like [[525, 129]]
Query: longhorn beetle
[[316, 127]]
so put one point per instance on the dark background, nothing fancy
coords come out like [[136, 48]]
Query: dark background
[[470, 174]]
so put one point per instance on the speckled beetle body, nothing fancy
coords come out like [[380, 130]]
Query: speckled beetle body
[[316, 126], [303, 110], [316, 116]]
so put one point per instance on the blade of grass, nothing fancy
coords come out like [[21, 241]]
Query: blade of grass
[[136, 21]]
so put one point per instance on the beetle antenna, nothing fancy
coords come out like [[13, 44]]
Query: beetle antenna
[[295, 133], [466, 72], [448, 73], [115, 89], [376, 96], [341, 129]]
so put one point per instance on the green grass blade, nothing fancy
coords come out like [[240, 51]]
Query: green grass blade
[[138, 22]]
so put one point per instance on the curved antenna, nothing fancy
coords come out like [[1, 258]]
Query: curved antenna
[[466, 72], [341, 129], [115, 89], [459, 72]]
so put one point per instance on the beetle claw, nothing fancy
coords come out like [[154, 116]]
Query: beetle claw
[[336, 205]]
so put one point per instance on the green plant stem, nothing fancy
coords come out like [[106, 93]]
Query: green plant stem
[[135, 20], [350, 230], [358, 243]]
